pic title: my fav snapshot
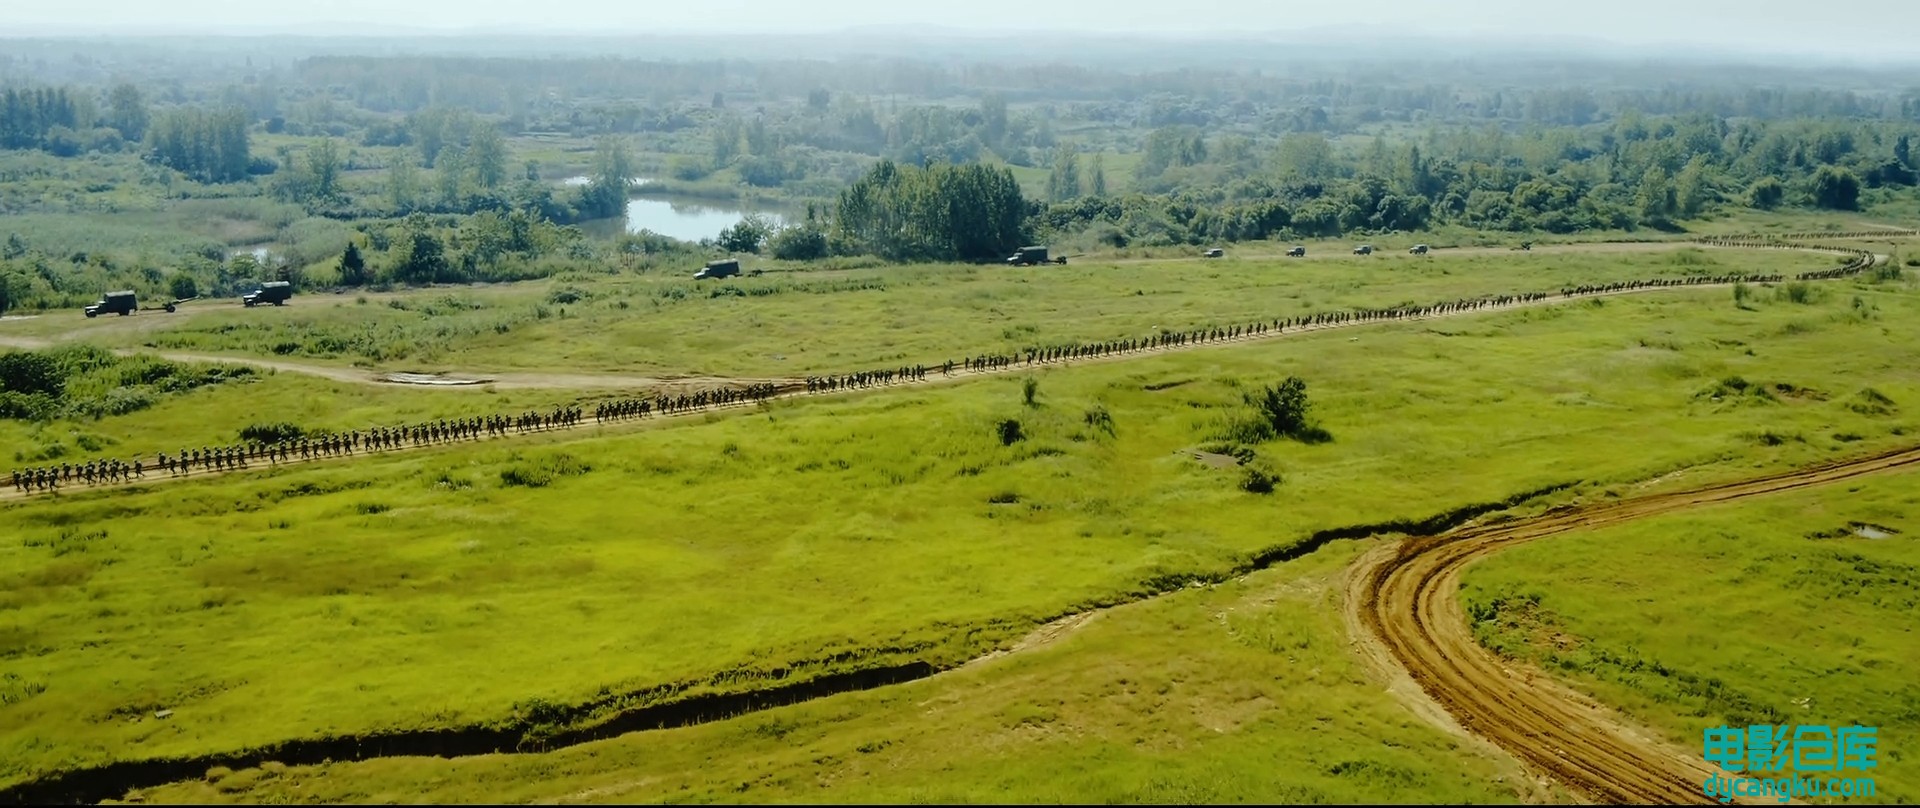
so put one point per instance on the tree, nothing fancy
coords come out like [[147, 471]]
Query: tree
[[420, 258], [1098, 179], [323, 170], [801, 242], [1283, 408], [31, 372], [726, 141], [353, 268], [487, 156], [606, 193], [1656, 197], [1064, 183], [209, 146], [993, 119], [182, 287], [1305, 156], [449, 173], [127, 112], [746, 235], [403, 183], [1690, 188], [760, 141], [1836, 189], [1766, 193], [943, 212]]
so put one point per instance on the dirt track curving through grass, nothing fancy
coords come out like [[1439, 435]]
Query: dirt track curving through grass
[[1406, 596]]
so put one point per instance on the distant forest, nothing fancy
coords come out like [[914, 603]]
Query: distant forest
[[354, 139]]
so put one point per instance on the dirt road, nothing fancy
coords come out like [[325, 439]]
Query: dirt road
[[1407, 597]]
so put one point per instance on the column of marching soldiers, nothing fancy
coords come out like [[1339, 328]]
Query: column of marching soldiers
[[223, 458]]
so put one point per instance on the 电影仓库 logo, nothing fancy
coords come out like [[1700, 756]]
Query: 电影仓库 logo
[[1766, 748]]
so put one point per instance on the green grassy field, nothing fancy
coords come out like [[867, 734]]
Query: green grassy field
[[793, 324], [1778, 611], [1244, 692], [446, 591]]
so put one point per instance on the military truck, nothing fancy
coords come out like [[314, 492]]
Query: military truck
[[718, 269], [1364, 249], [1214, 253], [275, 292], [121, 303], [1297, 252], [1418, 249], [1030, 256]]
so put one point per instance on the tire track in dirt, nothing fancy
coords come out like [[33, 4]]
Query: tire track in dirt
[[1406, 596]]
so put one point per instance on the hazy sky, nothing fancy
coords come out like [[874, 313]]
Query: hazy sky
[[1747, 24]]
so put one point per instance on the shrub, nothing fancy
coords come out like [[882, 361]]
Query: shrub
[[32, 372], [1283, 407], [799, 243], [118, 401], [1100, 419], [543, 471], [1799, 292], [26, 406], [1010, 433], [1029, 387], [271, 433], [1872, 402], [1258, 482]]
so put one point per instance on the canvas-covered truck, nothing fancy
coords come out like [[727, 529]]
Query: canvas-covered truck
[[275, 292], [1033, 256], [124, 303], [718, 269], [121, 303]]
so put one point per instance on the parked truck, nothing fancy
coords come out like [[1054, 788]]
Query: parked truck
[[275, 292], [1031, 256], [718, 269]]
